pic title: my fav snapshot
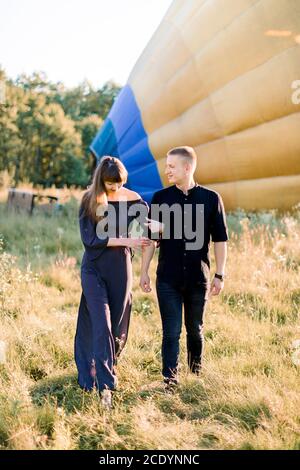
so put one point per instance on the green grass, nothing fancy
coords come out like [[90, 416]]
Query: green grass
[[247, 396], [41, 239]]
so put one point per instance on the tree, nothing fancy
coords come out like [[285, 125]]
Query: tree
[[52, 147], [10, 142], [46, 129], [88, 128], [83, 100]]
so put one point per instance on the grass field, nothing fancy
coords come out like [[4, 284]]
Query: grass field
[[247, 396]]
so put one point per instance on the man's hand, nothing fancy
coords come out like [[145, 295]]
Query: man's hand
[[145, 283], [154, 225], [216, 286]]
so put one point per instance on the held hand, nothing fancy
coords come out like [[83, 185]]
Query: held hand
[[145, 283], [138, 242], [154, 225], [216, 286]]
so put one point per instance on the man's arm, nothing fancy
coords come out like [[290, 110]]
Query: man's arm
[[147, 255], [219, 235], [148, 251], [220, 250]]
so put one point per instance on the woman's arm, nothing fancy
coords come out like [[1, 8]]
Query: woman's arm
[[95, 245], [133, 242], [89, 238]]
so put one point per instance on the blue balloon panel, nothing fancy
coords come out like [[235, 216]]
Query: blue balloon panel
[[123, 135]]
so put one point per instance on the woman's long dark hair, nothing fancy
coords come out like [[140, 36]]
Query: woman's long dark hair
[[110, 169]]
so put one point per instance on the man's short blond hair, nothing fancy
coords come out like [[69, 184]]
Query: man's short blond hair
[[185, 152]]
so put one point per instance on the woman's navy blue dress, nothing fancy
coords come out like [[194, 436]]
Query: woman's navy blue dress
[[105, 304]]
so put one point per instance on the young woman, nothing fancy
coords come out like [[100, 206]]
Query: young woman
[[106, 277]]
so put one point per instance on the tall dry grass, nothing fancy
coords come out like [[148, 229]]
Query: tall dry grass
[[247, 396]]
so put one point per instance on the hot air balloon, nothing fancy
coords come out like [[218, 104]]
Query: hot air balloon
[[220, 76]]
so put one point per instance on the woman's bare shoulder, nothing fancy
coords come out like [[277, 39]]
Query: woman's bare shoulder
[[130, 195]]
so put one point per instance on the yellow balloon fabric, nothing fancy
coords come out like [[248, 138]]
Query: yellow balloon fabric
[[220, 75]]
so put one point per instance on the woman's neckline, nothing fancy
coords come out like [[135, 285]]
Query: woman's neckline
[[124, 200]]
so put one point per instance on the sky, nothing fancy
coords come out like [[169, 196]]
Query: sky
[[74, 40]]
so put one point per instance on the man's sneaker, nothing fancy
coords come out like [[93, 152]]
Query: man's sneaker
[[106, 398]]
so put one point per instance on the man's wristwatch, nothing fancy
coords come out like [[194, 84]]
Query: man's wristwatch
[[220, 276]]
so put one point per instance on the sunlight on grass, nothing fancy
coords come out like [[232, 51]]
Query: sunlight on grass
[[247, 396]]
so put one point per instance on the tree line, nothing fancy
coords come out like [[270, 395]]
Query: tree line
[[46, 129]]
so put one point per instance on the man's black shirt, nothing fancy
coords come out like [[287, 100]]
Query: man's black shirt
[[178, 265]]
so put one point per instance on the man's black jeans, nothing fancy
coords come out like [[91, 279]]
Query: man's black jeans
[[171, 299]]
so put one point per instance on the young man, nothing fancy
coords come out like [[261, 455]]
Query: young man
[[196, 215]]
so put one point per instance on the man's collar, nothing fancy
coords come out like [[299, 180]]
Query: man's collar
[[189, 191]]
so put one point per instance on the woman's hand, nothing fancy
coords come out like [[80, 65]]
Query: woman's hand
[[137, 242]]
